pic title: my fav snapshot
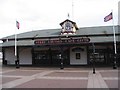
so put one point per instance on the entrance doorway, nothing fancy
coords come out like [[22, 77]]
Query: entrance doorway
[[102, 57], [50, 57]]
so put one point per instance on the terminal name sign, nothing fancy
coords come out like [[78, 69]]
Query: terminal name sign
[[61, 41]]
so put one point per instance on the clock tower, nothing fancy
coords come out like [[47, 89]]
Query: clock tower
[[68, 27]]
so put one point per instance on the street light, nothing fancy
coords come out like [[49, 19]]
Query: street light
[[61, 55], [93, 58], [61, 61], [114, 63]]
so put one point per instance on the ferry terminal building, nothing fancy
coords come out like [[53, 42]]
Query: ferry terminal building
[[69, 45]]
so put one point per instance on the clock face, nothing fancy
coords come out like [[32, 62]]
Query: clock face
[[68, 26]]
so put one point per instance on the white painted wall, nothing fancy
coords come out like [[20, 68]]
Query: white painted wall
[[81, 61], [25, 56], [9, 55], [1, 56]]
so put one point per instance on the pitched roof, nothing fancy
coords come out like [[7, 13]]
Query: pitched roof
[[36, 33], [27, 38], [56, 32]]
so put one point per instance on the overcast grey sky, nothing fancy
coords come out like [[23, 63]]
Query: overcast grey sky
[[47, 14]]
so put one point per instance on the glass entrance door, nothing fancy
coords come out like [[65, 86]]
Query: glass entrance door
[[50, 57], [55, 58], [41, 58], [100, 57]]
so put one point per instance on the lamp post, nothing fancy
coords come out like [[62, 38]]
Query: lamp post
[[61, 55], [93, 58], [61, 62], [61, 58], [114, 62]]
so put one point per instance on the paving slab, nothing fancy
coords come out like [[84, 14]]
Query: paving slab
[[46, 83], [109, 74], [56, 78], [68, 74], [8, 79], [96, 81], [112, 83], [21, 73], [24, 79]]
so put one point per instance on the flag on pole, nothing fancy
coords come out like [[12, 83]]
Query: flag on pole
[[17, 24], [108, 17]]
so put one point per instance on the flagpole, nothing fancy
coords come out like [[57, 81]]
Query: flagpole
[[114, 37], [16, 48], [15, 45], [16, 52], [115, 51]]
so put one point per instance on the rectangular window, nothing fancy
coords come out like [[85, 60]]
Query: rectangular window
[[78, 56]]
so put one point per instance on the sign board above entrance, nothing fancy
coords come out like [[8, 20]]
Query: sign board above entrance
[[61, 41]]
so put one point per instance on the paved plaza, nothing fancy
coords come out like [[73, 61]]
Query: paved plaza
[[72, 77]]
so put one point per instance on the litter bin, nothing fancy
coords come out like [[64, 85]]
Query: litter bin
[[5, 62], [17, 63]]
